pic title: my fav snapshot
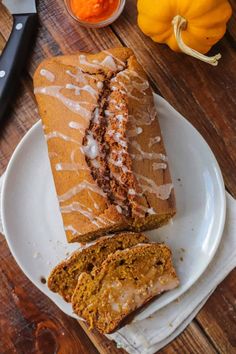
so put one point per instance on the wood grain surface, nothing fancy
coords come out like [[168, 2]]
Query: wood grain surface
[[205, 95]]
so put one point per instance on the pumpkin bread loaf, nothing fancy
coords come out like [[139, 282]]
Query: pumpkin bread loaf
[[104, 142], [124, 282], [64, 277]]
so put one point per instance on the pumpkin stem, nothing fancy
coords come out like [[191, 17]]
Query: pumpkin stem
[[180, 24]]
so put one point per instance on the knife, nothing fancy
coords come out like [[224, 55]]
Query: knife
[[14, 55]]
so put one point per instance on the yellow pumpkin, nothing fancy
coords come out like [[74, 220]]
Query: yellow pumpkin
[[189, 26]]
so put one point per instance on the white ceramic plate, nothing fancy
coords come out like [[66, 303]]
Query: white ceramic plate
[[33, 225]]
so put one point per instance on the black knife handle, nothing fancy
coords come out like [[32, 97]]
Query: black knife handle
[[14, 56]]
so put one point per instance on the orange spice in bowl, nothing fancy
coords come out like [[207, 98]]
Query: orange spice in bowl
[[95, 13]]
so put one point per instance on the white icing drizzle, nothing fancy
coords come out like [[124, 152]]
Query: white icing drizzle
[[91, 150], [86, 212], [92, 243], [134, 132], [79, 76], [77, 207], [72, 229], [139, 86], [114, 57], [95, 163], [118, 161], [108, 113], [106, 220], [78, 188], [119, 209], [144, 85], [47, 74], [143, 118], [72, 157], [159, 166], [77, 126], [54, 91], [144, 210], [120, 117], [117, 137], [100, 85], [124, 74], [131, 191], [101, 220], [131, 84], [52, 154], [56, 134], [109, 63], [96, 115], [86, 88], [151, 211], [83, 61], [67, 166], [94, 202], [162, 192], [123, 295], [153, 141], [145, 155]]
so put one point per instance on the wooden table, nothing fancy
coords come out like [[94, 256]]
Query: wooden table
[[29, 321]]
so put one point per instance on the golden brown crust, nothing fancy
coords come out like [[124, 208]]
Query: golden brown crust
[[64, 277], [135, 194], [126, 281]]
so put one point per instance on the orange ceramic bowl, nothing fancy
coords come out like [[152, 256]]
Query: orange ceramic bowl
[[100, 24]]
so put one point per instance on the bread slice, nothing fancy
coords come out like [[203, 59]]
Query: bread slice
[[104, 142], [64, 277], [126, 281]]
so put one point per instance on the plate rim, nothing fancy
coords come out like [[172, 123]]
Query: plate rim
[[222, 197]]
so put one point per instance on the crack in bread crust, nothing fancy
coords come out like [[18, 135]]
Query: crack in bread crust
[[104, 121]]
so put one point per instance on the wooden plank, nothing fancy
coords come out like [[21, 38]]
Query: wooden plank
[[5, 22], [231, 24], [191, 341], [218, 316], [103, 345], [22, 116], [205, 95], [2, 43]]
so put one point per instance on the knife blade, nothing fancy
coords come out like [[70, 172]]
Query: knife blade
[[14, 55], [20, 6]]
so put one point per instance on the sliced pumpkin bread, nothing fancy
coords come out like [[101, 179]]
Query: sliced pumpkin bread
[[64, 277], [125, 281]]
